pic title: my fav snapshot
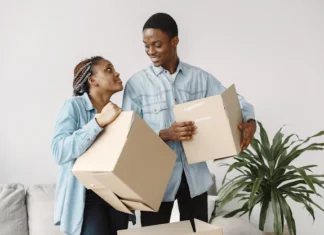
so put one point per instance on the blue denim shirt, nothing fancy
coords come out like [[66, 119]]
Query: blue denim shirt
[[153, 92], [75, 130]]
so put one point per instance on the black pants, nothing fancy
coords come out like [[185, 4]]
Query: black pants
[[189, 208], [100, 218]]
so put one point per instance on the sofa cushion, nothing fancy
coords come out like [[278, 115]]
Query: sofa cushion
[[13, 215], [40, 206]]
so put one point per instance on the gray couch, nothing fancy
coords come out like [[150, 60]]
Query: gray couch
[[30, 212]]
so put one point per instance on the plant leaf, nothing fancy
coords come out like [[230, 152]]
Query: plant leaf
[[288, 215], [277, 212], [263, 213], [256, 186], [264, 136]]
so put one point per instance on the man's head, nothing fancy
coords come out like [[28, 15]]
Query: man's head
[[160, 37]]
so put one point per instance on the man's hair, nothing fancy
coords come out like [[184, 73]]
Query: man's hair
[[164, 22]]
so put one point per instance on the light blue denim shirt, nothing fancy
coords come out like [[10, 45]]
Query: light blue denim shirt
[[75, 130], [153, 92]]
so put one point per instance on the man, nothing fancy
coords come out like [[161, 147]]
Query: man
[[152, 93]]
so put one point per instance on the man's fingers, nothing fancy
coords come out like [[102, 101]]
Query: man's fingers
[[246, 142], [185, 137], [183, 124], [187, 133], [243, 143], [187, 128]]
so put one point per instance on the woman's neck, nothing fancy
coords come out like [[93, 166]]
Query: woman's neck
[[99, 100]]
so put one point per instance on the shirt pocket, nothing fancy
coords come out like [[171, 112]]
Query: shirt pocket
[[155, 108], [156, 115]]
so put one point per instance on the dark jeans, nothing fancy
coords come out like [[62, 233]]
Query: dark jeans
[[100, 218], [189, 208]]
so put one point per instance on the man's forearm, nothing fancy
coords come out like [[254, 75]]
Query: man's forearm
[[164, 135]]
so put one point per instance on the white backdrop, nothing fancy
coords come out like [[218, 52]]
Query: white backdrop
[[272, 50]]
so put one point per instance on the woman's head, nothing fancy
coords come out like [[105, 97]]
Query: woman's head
[[96, 75]]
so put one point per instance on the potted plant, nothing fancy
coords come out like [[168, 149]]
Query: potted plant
[[267, 178]]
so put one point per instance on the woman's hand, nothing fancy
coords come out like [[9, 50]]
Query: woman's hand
[[108, 114]]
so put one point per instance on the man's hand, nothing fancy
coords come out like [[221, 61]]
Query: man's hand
[[249, 129], [179, 131]]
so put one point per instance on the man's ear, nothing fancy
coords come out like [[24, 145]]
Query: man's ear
[[175, 41]]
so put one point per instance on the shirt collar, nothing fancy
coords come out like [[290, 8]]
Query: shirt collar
[[158, 70], [88, 102]]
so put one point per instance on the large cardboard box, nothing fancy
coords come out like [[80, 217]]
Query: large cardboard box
[[217, 119], [128, 165], [179, 228]]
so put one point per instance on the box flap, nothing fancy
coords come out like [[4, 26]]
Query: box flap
[[111, 182], [145, 163], [234, 114], [112, 199], [214, 136], [179, 228], [132, 205], [103, 154]]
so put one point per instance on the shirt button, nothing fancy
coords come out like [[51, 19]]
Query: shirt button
[[88, 139]]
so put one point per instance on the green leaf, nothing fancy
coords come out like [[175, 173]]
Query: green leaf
[[288, 215], [277, 212], [264, 136], [296, 153], [233, 166], [263, 213], [233, 213], [308, 167], [307, 179], [291, 184], [256, 186]]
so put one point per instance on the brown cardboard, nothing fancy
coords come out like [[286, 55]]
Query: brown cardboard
[[179, 228], [128, 165], [217, 119]]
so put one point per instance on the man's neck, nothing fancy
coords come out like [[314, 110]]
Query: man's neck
[[172, 65]]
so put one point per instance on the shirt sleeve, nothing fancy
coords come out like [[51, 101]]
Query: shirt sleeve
[[215, 87], [131, 102], [69, 142]]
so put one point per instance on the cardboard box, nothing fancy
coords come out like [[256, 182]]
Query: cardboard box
[[217, 119], [179, 228], [128, 165]]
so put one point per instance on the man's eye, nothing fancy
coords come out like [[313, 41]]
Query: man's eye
[[109, 69]]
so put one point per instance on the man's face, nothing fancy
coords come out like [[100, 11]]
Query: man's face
[[159, 47]]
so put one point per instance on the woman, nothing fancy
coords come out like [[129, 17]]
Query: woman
[[81, 119]]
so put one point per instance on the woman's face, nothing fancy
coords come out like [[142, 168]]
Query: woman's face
[[105, 77]]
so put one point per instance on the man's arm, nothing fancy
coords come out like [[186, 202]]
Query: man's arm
[[131, 102]]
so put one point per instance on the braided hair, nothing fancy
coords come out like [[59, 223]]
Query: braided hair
[[81, 74]]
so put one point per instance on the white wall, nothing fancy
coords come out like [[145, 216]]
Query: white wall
[[272, 50]]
